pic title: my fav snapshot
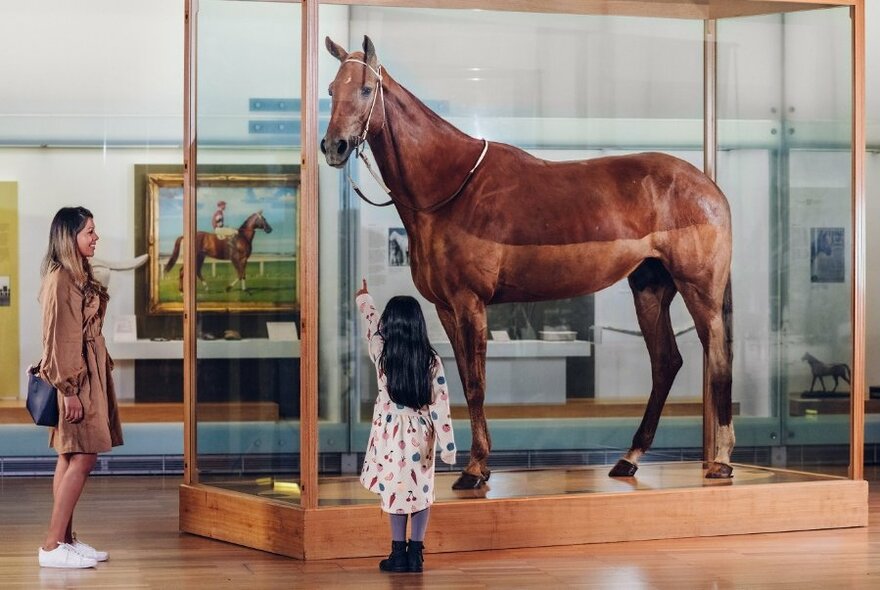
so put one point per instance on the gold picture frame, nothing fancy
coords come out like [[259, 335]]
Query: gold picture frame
[[250, 263]]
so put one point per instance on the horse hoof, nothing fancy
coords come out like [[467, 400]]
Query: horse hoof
[[623, 468], [719, 471], [467, 481]]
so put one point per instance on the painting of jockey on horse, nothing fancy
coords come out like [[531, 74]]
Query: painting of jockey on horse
[[246, 244]]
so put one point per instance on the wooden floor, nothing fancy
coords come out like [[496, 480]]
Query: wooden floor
[[135, 518]]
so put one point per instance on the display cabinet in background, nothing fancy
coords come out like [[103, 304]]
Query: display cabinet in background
[[765, 96]]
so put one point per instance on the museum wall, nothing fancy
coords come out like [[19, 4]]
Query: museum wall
[[104, 106]]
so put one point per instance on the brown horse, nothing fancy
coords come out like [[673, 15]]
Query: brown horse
[[489, 223], [236, 248]]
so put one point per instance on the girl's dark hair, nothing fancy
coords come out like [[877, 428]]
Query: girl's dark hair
[[407, 357]]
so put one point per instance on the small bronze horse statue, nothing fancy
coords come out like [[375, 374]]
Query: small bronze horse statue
[[236, 248], [821, 370], [489, 223]]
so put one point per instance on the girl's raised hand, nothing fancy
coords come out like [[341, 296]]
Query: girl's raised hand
[[363, 290]]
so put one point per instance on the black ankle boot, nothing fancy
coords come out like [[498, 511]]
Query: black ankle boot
[[397, 559], [414, 555]]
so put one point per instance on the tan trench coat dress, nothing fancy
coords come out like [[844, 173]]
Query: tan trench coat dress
[[75, 360]]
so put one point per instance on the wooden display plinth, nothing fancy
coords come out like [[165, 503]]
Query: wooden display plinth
[[655, 505]]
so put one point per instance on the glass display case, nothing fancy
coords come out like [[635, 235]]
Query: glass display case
[[275, 341]]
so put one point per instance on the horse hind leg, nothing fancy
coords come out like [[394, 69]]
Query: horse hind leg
[[710, 305], [653, 291]]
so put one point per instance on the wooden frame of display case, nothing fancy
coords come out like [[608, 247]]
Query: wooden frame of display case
[[310, 531]]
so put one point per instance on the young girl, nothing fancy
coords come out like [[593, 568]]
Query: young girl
[[75, 360], [410, 417]]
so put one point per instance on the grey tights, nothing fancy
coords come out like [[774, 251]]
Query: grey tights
[[418, 525]]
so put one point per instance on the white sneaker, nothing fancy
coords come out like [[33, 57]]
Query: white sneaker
[[87, 550], [64, 556]]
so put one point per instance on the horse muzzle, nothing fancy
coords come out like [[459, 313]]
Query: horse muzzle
[[336, 151]]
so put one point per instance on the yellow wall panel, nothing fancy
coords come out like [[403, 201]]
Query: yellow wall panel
[[10, 294]]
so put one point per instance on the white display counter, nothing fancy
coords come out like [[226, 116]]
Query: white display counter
[[207, 349], [518, 371]]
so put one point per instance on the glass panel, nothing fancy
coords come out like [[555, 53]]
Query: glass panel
[[786, 131], [567, 380], [247, 291], [582, 87]]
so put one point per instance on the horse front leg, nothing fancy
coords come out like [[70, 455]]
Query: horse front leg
[[200, 260], [466, 328], [653, 291], [239, 271]]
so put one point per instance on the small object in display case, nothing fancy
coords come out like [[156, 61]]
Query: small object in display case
[[557, 335], [821, 370], [282, 331]]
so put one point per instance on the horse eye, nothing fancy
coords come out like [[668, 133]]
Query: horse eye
[[330, 91], [366, 90]]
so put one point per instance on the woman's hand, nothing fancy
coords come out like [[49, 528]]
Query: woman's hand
[[73, 409], [363, 289]]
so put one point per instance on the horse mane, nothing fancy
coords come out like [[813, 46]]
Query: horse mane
[[249, 219]]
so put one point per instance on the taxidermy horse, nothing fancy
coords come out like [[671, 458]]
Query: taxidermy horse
[[821, 370], [236, 248], [489, 223]]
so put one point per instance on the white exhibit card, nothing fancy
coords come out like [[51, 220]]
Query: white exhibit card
[[282, 331]]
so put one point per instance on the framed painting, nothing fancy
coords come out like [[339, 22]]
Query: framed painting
[[247, 244]]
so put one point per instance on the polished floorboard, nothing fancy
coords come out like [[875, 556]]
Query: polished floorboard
[[135, 518]]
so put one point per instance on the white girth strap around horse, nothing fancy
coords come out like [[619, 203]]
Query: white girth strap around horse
[[362, 140]]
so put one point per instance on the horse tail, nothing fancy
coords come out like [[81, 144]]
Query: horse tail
[[727, 319], [171, 261]]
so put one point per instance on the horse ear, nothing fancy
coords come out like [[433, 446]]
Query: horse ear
[[370, 53], [335, 50]]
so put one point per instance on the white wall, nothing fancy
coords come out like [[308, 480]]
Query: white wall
[[91, 69]]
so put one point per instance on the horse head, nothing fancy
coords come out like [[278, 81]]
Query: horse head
[[354, 113], [257, 221]]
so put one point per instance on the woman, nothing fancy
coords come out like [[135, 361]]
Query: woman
[[75, 360]]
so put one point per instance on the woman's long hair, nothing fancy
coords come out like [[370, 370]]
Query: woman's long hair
[[407, 357], [63, 252]]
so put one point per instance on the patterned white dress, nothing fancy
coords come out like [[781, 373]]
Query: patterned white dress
[[399, 465]]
